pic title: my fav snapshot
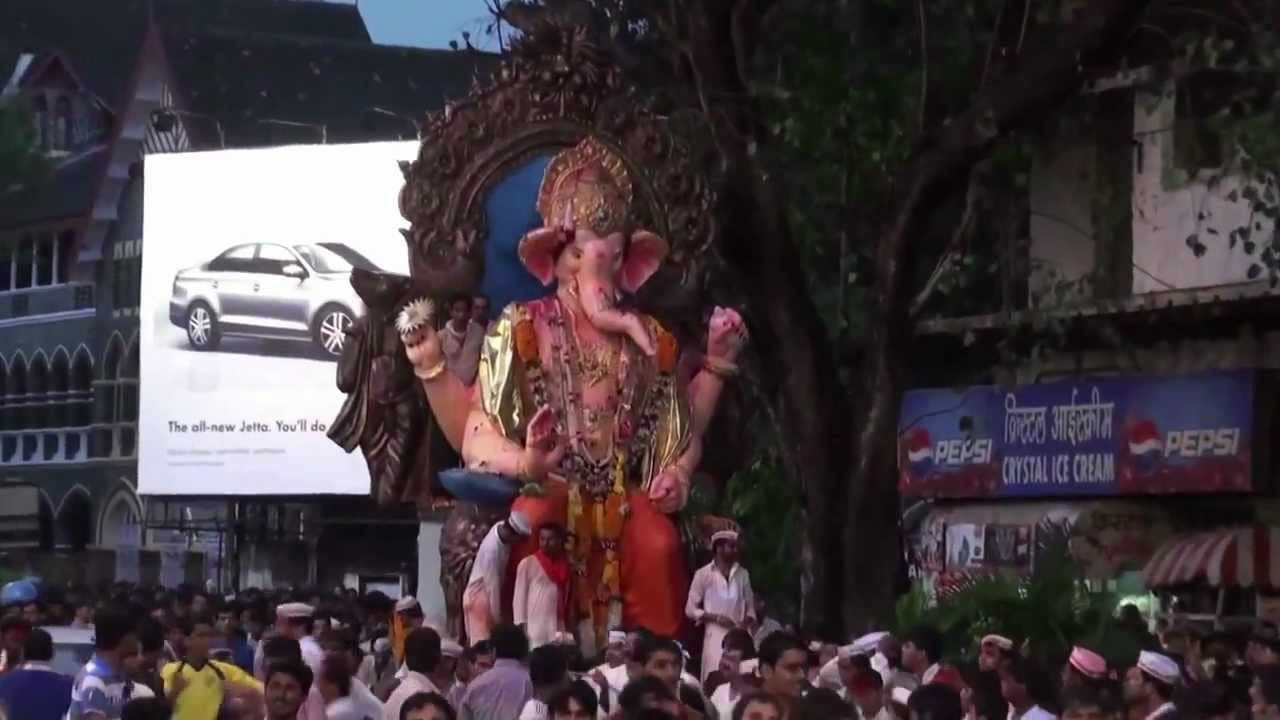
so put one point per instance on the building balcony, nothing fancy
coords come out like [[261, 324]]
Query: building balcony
[[59, 446], [44, 304]]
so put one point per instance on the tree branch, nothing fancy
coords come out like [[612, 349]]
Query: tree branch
[[1039, 85], [924, 65], [956, 245]]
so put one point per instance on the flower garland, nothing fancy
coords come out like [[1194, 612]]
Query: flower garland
[[597, 495]]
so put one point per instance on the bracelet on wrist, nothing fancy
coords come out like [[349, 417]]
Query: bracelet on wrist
[[720, 367], [430, 373]]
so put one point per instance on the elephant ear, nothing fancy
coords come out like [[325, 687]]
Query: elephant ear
[[644, 256], [538, 250]]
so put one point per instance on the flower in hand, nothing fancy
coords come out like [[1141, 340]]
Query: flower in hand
[[726, 334]]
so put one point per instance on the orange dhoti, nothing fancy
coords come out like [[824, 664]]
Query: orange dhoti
[[652, 574]]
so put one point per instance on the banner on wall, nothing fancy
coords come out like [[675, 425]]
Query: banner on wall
[[1079, 437], [245, 303]]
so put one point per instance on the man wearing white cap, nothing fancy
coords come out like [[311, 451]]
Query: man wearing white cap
[[720, 598], [1148, 687], [482, 599], [294, 620], [992, 651]]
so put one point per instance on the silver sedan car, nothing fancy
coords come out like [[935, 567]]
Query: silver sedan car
[[271, 291]]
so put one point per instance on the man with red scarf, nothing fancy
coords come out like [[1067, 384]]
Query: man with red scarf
[[541, 594]]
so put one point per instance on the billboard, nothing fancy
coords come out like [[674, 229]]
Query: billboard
[[1084, 436], [245, 297]]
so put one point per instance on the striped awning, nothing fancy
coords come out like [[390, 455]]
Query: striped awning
[[1231, 557]]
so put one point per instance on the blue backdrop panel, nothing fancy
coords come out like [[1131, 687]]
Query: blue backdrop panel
[[511, 211]]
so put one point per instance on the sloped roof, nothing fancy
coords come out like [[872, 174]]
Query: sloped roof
[[246, 78], [102, 40]]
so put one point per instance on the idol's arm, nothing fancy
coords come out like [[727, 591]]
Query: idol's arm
[[486, 449], [450, 402]]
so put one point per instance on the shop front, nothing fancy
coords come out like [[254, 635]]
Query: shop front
[[1116, 467]]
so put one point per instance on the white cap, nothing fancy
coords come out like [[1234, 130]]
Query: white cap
[[724, 535], [999, 641], [617, 637], [901, 695], [1160, 667], [450, 648], [295, 611], [406, 603], [867, 644], [520, 523]]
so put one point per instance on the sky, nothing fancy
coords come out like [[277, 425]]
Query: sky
[[425, 23]]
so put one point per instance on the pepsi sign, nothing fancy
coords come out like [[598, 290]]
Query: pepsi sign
[[1084, 436]]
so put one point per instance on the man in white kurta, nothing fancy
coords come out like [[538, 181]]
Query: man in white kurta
[[720, 598], [541, 581], [482, 598]]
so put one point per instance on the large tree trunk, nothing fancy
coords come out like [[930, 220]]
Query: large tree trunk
[[798, 366], [1042, 83]]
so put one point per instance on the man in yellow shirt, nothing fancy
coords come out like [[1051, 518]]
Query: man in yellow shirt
[[197, 686]]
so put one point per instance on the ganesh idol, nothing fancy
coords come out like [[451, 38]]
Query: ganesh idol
[[580, 402]]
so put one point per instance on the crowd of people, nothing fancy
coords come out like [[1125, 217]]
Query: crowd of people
[[189, 655]]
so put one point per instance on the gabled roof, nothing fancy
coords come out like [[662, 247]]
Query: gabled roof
[[248, 80], [102, 39]]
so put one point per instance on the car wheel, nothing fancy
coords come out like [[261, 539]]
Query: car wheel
[[331, 329], [202, 327]]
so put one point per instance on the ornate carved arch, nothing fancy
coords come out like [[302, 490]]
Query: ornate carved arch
[[557, 86]]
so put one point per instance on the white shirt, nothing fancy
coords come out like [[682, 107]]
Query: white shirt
[[312, 654], [884, 714], [534, 709], [536, 603], [1035, 712], [724, 700], [768, 626], [366, 704], [712, 592], [489, 567], [413, 683]]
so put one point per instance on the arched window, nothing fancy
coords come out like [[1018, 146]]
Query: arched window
[[59, 387], [4, 401], [40, 109], [62, 125], [37, 391], [107, 408], [129, 400], [75, 519], [129, 383], [120, 520], [102, 442], [16, 400], [81, 395]]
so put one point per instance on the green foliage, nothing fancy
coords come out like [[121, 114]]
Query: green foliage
[[1050, 610], [20, 160], [761, 497]]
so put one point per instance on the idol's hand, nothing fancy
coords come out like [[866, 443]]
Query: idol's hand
[[422, 348], [543, 446], [669, 491]]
